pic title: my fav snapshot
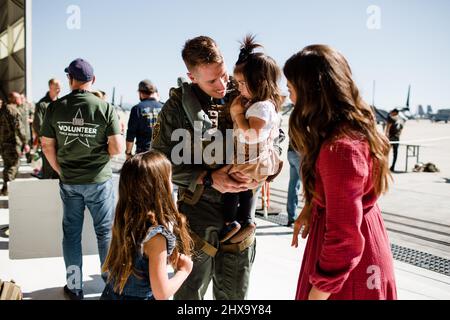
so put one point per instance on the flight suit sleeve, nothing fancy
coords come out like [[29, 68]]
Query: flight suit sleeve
[[170, 119]]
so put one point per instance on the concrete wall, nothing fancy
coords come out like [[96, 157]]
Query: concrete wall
[[36, 221]]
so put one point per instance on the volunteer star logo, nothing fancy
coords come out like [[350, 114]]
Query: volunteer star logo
[[78, 121]]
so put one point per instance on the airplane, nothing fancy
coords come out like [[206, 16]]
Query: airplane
[[383, 115]]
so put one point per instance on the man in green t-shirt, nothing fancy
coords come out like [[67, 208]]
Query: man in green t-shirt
[[79, 135]]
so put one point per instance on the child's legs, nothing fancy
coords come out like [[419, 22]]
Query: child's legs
[[230, 207], [244, 213]]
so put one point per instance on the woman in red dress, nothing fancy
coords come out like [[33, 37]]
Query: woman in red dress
[[345, 170]]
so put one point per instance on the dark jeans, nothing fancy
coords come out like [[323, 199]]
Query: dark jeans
[[99, 198], [395, 150], [294, 185]]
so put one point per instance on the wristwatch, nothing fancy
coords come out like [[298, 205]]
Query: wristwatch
[[208, 180]]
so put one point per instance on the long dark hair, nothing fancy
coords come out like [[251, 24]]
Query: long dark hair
[[145, 200], [329, 104], [261, 73]]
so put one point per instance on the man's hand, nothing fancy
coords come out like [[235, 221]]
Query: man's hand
[[225, 184], [249, 182]]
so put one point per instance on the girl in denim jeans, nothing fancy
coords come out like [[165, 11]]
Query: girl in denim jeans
[[148, 233]]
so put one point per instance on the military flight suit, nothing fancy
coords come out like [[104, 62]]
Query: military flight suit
[[39, 113], [12, 139], [227, 266]]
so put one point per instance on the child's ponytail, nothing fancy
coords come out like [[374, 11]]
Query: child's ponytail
[[248, 47]]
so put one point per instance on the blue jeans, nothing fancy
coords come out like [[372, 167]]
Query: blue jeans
[[99, 198], [294, 185]]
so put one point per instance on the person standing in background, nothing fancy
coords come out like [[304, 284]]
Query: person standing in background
[[294, 184], [394, 130], [143, 118], [54, 89], [12, 142], [80, 134]]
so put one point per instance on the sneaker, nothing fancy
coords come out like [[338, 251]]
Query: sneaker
[[229, 231], [73, 295], [290, 223], [244, 233], [4, 192]]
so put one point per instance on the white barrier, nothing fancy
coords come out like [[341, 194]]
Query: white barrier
[[35, 221]]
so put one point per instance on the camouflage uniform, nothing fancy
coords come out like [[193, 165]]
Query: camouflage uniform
[[26, 111], [228, 266], [12, 139]]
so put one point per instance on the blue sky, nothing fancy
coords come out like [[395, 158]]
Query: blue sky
[[127, 41]]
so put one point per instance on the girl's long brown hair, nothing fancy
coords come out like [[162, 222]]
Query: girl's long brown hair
[[329, 105], [145, 200]]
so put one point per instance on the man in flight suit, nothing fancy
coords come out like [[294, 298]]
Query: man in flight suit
[[202, 107]]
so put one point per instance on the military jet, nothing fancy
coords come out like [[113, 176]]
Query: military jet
[[405, 111]]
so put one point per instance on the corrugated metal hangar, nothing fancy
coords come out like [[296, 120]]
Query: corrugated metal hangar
[[15, 46]]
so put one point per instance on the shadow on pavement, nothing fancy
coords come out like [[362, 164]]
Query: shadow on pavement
[[90, 287]]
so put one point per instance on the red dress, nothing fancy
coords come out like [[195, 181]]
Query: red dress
[[348, 252]]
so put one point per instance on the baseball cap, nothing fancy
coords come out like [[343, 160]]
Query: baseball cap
[[147, 86], [80, 70]]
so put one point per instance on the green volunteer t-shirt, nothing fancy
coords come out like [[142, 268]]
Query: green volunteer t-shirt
[[81, 124]]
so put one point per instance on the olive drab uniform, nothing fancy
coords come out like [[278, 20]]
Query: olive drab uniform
[[12, 139], [228, 266], [39, 114], [26, 111]]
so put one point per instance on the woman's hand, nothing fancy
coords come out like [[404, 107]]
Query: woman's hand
[[316, 294], [304, 220]]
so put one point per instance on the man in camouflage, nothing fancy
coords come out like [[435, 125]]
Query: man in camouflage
[[201, 108], [26, 112], [12, 139]]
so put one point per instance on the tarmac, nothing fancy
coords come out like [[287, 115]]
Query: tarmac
[[416, 213]]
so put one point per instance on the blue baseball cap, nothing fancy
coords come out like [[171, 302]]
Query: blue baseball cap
[[80, 70]]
